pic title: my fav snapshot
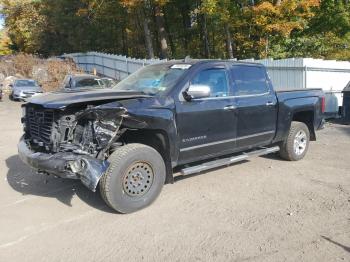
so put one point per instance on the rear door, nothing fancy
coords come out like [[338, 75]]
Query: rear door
[[256, 106]]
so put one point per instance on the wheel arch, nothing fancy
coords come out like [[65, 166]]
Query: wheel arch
[[155, 138], [306, 117]]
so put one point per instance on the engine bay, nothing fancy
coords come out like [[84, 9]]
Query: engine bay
[[89, 130]]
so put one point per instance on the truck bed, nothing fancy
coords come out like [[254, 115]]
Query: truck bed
[[281, 90], [287, 94]]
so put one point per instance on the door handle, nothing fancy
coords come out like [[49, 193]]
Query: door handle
[[269, 103], [230, 107]]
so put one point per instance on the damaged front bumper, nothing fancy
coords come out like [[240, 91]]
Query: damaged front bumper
[[65, 164]]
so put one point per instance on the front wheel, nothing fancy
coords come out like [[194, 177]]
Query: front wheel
[[295, 146], [134, 178]]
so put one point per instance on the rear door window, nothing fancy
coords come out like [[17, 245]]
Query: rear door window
[[248, 80]]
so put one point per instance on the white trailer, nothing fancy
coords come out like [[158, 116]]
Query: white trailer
[[330, 75]]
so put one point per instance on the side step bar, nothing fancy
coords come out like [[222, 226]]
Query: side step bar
[[228, 161]]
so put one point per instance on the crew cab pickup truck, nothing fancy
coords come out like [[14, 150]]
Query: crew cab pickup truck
[[188, 116]]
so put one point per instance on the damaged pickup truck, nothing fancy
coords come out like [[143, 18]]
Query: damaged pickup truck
[[190, 116]]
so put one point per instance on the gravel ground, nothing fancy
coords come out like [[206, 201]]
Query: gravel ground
[[262, 210]]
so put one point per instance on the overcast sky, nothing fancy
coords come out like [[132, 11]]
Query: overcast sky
[[1, 22], [1, 19]]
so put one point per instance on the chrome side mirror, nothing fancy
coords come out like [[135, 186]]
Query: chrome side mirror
[[196, 91]]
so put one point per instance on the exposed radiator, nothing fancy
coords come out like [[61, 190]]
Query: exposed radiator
[[39, 123]]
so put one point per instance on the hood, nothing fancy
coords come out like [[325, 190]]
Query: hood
[[27, 88], [63, 98]]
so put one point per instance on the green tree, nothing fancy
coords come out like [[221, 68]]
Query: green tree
[[176, 28], [24, 24]]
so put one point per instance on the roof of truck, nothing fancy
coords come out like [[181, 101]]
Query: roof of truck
[[82, 75], [202, 61]]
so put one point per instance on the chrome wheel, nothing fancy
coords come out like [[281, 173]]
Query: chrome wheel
[[300, 143], [138, 179]]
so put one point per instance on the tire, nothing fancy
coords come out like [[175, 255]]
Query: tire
[[12, 98], [134, 178], [293, 148]]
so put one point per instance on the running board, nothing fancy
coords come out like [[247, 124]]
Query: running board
[[228, 161]]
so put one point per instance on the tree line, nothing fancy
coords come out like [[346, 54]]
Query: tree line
[[177, 28]]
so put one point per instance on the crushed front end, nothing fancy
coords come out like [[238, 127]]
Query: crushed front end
[[72, 142]]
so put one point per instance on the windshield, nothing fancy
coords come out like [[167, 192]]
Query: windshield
[[153, 79], [88, 82], [25, 83]]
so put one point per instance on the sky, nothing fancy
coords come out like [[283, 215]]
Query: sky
[[1, 22]]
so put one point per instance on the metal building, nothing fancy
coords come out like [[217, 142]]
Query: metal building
[[330, 75]]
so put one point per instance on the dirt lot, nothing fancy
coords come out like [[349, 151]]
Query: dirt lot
[[263, 210]]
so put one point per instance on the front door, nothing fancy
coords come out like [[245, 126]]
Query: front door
[[207, 126]]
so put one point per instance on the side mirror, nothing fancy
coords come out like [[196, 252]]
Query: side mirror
[[196, 91]]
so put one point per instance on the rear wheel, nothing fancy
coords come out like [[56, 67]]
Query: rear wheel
[[295, 146], [134, 178]]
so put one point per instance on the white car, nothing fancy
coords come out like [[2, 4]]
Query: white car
[[24, 88]]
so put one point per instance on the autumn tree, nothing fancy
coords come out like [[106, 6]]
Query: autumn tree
[[24, 24], [141, 9], [5, 43], [176, 28]]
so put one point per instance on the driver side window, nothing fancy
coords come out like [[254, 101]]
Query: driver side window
[[216, 80]]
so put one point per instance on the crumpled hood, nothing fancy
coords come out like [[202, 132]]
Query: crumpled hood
[[62, 99]]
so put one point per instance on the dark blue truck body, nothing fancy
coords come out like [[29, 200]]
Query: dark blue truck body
[[182, 131]]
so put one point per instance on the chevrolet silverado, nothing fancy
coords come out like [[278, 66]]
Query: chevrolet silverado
[[190, 116]]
